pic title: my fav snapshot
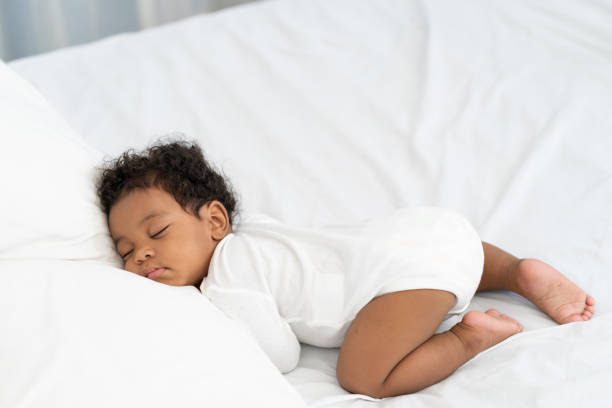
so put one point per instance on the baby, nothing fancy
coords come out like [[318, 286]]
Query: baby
[[379, 290]]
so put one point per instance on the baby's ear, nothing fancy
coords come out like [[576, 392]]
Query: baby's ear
[[218, 219]]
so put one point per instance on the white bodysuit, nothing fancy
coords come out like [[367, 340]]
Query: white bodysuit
[[292, 285]]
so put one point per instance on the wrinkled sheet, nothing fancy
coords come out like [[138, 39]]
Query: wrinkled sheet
[[329, 111]]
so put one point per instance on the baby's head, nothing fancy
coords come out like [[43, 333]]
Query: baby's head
[[167, 209]]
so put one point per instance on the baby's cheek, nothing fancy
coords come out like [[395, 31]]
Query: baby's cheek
[[128, 266]]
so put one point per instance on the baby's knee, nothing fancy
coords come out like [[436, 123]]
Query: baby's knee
[[358, 380], [355, 385]]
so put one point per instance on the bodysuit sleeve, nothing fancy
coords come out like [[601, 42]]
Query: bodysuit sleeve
[[258, 311]]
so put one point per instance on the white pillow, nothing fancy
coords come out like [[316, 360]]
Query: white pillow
[[83, 334], [49, 208], [86, 334]]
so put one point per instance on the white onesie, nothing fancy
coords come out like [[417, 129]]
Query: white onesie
[[292, 285]]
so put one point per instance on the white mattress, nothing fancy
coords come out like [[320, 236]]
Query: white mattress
[[326, 111]]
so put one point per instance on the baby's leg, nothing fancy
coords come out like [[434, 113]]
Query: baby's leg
[[390, 348], [538, 282]]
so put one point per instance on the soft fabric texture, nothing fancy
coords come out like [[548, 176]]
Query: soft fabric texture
[[290, 284], [333, 111], [82, 334], [47, 174]]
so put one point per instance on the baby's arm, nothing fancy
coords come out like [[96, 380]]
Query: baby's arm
[[258, 311]]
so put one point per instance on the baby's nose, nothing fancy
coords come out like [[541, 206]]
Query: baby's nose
[[144, 253]]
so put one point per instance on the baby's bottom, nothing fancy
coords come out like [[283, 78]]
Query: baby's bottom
[[390, 348]]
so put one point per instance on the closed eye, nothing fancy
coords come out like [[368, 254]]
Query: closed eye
[[152, 236], [162, 230]]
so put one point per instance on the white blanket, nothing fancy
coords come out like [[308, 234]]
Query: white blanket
[[327, 111]]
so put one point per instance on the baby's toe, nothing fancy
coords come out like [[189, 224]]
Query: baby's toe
[[493, 312], [590, 300]]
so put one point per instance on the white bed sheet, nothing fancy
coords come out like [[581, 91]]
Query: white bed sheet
[[327, 111]]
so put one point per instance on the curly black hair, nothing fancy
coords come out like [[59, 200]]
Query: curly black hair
[[177, 167]]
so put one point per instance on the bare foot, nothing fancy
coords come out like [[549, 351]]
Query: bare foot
[[552, 292], [480, 330]]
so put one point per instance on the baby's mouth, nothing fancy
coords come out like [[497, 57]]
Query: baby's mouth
[[155, 273]]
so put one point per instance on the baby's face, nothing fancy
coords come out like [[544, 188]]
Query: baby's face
[[157, 239]]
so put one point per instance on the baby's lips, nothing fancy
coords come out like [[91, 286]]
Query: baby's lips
[[156, 273]]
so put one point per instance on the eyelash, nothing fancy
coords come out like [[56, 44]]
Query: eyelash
[[152, 236]]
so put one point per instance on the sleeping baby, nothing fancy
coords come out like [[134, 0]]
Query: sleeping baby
[[379, 289]]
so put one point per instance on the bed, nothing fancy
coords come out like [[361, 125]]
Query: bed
[[320, 112]]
